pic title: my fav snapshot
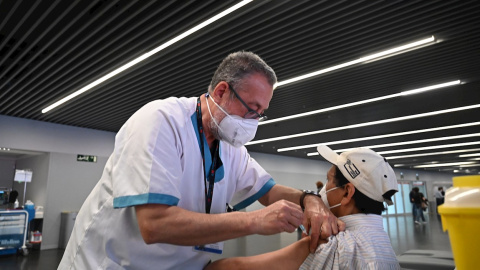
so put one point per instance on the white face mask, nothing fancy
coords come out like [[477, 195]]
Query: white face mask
[[233, 129], [323, 193]]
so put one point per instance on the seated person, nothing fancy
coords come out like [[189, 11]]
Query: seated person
[[358, 183]]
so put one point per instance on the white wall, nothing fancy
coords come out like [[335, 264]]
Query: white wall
[[303, 174], [37, 189], [59, 183], [69, 182], [7, 172], [41, 136]]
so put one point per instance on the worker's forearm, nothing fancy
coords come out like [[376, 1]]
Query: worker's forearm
[[174, 225], [279, 192]]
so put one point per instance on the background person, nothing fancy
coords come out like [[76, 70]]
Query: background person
[[439, 197], [418, 198], [414, 211], [358, 183], [177, 163]]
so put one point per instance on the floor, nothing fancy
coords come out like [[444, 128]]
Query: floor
[[404, 234]]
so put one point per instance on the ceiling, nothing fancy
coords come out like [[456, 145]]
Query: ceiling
[[50, 49]]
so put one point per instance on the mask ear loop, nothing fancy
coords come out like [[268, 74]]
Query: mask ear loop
[[208, 107]]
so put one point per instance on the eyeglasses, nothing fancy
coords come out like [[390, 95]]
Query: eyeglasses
[[251, 114]]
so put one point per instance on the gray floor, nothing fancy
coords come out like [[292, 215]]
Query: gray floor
[[404, 234]]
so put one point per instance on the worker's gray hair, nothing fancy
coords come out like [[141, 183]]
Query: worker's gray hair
[[239, 65]]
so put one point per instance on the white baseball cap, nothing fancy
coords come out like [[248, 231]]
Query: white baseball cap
[[369, 172]]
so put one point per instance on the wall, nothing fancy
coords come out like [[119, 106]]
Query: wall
[[69, 184], [59, 183], [41, 136], [7, 172], [37, 189], [303, 174]]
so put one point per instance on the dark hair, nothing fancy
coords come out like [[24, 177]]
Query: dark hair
[[319, 184], [363, 203], [12, 196], [239, 65]]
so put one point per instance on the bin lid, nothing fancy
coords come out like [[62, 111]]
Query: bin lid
[[464, 193], [467, 181]]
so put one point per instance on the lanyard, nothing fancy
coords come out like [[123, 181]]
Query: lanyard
[[211, 174]]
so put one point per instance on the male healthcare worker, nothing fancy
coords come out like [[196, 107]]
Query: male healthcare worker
[[177, 163]]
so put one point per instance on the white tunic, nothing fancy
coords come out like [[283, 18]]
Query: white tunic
[[363, 245], [157, 159]]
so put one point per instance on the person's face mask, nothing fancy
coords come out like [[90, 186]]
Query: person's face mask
[[233, 129], [323, 193]]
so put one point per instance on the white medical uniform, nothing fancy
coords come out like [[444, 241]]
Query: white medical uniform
[[157, 159]]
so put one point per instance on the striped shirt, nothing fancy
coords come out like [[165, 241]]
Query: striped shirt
[[363, 245]]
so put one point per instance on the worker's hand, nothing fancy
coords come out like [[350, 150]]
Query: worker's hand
[[320, 221], [281, 216]]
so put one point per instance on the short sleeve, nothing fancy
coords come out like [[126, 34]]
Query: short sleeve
[[146, 166], [253, 181]]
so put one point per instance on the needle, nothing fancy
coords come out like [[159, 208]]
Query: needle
[[303, 229]]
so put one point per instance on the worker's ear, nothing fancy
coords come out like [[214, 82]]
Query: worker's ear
[[349, 191], [219, 90]]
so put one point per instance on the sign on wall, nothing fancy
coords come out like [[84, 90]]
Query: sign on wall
[[86, 158]]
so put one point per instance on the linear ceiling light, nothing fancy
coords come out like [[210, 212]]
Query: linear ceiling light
[[381, 54], [470, 165], [413, 142], [378, 136], [402, 118], [147, 55], [470, 155], [443, 164], [433, 153], [416, 141], [404, 93], [414, 149]]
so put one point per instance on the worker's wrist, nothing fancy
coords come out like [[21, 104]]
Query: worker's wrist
[[306, 193]]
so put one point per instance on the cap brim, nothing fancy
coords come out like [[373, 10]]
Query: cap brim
[[328, 154]]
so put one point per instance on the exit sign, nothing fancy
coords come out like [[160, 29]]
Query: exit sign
[[86, 158]]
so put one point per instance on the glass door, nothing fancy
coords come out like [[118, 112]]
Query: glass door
[[401, 199]]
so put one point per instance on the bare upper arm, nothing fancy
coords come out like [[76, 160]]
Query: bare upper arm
[[148, 216]]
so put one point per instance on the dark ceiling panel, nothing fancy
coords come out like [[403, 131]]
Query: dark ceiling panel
[[50, 49]]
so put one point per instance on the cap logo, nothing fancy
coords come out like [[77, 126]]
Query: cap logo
[[351, 169]]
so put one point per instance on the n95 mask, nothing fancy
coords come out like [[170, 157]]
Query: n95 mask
[[233, 129]]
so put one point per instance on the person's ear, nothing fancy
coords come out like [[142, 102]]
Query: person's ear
[[219, 90], [349, 191]]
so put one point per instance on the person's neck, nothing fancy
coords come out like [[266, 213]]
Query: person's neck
[[206, 121], [345, 210]]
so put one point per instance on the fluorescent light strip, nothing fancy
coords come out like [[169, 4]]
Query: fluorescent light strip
[[416, 141], [404, 93], [378, 137], [147, 55], [433, 153], [478, 158], [359, 60], [470, 155], [365, 124], [471, 165], [443, 164], [414, 149]]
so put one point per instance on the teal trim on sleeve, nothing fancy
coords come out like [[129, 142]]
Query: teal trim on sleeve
[[156, 198], [268, 185]]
